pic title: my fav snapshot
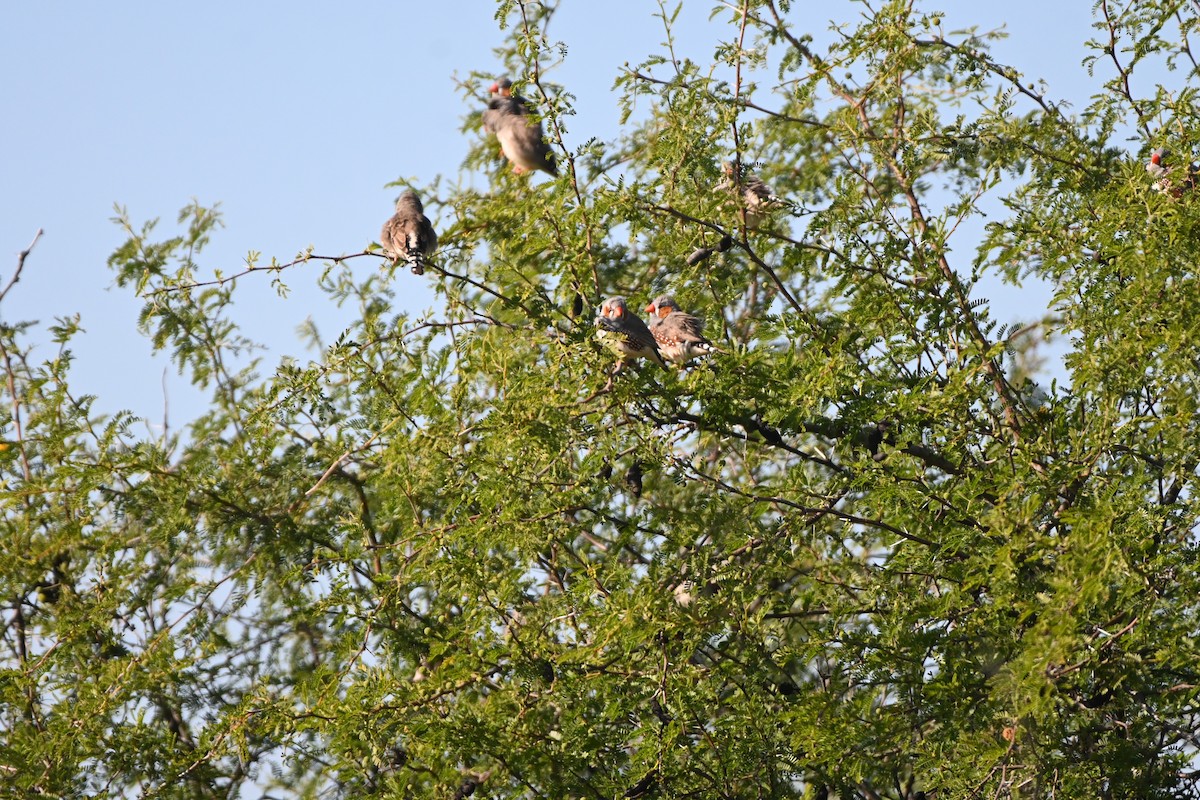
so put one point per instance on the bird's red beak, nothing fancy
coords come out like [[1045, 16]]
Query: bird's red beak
[[650, 309], [1156, 158], [494, 88]]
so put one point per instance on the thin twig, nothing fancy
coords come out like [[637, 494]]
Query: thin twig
[[21, 264], [1124, 71], [8, 365], [252, 268], [742, 102], [337, 462], [166, 425]]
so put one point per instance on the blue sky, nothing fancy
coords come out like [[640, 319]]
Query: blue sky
[[294, 116]]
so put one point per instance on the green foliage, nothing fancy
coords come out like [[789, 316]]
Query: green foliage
[[860, 552]]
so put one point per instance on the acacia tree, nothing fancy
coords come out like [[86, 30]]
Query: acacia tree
[[858, 553]]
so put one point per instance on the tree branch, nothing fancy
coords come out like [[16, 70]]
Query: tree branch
[[20, 264]]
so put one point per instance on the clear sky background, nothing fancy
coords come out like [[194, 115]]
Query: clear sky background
[[294, 116]]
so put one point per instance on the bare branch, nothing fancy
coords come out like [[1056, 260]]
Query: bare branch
[[337, 462], [10, 375], [252, 268], [21, 264]]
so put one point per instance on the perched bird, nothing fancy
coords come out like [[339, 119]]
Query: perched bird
[[501, 102], [756, 197], [680, 336], [625, 333], [408, 234], [503, 88], [1161, 171], [521, 138]]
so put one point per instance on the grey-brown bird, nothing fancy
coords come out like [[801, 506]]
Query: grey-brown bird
[[625, 333], [755, 196], [1169, 178], [680, 336], [500, 103], [521, 138], [408, 235]]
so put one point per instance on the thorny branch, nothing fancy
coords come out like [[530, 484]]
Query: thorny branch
[[10, 375], [858, 104], [558, 138], [224, 279], [20, 264], [1122, 70], [742, 102]]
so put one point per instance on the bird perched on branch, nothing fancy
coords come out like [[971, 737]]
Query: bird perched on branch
[[625, 333], [521, 139], [501, 102], [1165, 174], [408, 234], [680, 336], [755, 196]]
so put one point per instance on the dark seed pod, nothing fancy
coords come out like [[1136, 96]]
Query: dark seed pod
[[633, 479], [872, 436], [644, 786], [769, 434], [725, 243], [698, 255]]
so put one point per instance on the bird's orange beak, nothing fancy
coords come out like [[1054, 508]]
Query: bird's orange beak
[[494, 88], [650, 309]]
